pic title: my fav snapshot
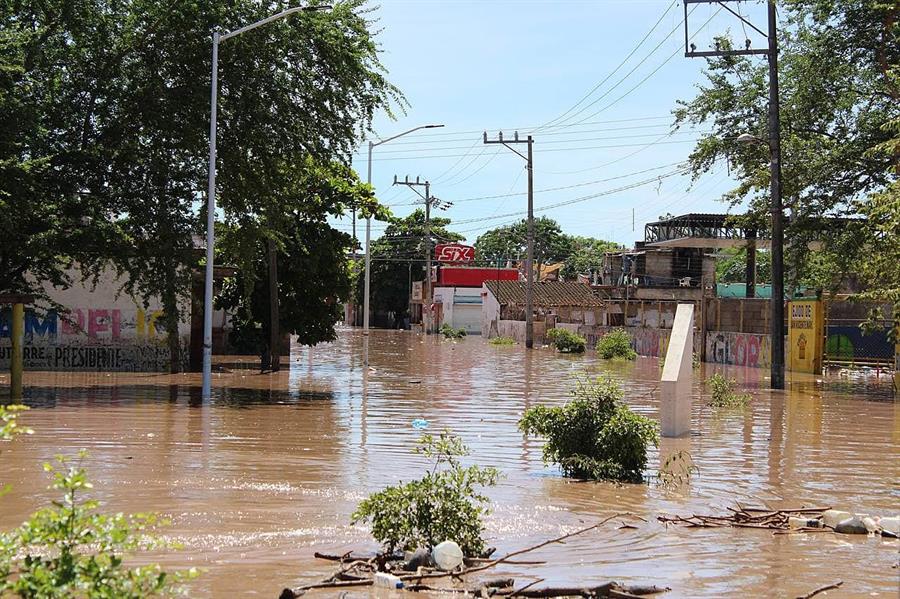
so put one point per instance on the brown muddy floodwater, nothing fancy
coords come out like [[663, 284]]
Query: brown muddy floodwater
[[270, 470]]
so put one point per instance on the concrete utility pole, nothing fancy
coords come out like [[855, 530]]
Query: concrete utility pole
[[429, 202], [774, 143], [529, 260]]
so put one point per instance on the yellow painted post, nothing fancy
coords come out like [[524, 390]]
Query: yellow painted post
[[16, 363]]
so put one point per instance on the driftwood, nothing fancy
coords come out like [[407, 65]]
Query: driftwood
[[358, 571], [827, 587], [749, 517]]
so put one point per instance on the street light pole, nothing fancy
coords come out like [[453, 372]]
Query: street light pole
[[211, 190], [367, 282]]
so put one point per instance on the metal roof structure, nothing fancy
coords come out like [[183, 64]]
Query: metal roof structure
[[548, 294], [702, 231], [720, 231]]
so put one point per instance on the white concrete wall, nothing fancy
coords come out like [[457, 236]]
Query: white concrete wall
[[490, 313], [100, 329], [461, 307]]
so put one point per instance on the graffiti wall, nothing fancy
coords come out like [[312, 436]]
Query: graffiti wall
[[741, 349], [96, 329]]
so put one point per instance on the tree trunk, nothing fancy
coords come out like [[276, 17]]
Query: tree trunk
[[170, 318], [274, 319]]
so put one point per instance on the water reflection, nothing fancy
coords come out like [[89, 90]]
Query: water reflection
[[274, 464]]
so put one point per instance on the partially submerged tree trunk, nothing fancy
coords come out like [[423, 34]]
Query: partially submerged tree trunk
[[274, 328], [171, 318]]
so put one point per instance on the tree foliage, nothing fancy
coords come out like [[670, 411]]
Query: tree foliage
[[587, 257], [104, 108], [732, 268], [70, 549], [837, 96], [312, 265], [510, 243]]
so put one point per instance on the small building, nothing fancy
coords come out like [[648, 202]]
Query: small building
[[457, 294], [654, 273], [555, 302]]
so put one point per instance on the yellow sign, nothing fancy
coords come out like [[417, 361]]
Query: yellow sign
[[806, 336]]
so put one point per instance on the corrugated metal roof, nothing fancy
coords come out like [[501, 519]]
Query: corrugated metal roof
[[546, 293]]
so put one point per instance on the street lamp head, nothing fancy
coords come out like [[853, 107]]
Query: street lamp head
[[432, 126], [747, 138]]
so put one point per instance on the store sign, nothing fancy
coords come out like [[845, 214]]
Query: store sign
[[417, 291], [454, 253]]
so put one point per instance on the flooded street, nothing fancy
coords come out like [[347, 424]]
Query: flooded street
[[271, 469]]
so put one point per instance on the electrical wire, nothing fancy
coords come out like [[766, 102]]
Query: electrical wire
[[614, 71]]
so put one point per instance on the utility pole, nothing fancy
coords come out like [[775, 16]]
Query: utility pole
[[529, 260], [430, 202], [774, 143]]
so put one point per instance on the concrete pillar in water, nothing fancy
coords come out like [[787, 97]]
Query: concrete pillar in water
[[16, 362], [675, 401]]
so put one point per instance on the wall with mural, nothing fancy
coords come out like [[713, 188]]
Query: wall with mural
[[741, 349], [96, 328]]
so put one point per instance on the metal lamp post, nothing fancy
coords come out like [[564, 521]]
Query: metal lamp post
[[211, 191], [366, 286]]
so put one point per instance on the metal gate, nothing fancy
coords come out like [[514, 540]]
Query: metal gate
[[847, 342]]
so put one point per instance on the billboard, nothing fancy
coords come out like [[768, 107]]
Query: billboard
[[454, 253]]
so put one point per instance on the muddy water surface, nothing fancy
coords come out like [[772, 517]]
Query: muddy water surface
[[270, 470]]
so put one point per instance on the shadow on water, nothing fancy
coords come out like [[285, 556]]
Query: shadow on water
[[189, 395]]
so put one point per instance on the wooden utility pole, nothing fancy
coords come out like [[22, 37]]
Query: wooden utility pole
[[529, 260], [776, 323]]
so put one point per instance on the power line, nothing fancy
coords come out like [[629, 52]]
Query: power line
[[614, 71]]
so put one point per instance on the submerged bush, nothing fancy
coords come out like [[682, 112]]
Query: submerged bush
[[502, 341], [565, 341], [616, 344], [444, 505], [71, 550], [723, 394], [595, 435], [450, 333]]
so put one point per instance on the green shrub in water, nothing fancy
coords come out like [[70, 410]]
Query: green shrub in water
[[71, 550], [723, 394], [565, 341], [444, 505], [595, 435], [616, 344], [502, 341], [450, 333]]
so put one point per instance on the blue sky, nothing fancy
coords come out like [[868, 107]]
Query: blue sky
[[508, 65]]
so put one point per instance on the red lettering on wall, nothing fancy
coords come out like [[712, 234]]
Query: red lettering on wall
[[116, 324], [73, 322], [98, 322]]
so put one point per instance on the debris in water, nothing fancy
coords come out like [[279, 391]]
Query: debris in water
[[420, 424]]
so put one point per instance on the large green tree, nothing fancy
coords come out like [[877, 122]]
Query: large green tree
[[509, 243], [837, 95], [398, 257], [587, 257], [52, 81], [105, 107], [312, 265]]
